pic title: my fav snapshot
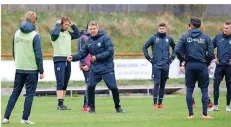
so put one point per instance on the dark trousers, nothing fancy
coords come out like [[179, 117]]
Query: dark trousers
[[196, 71], [220, 72], [109, 79], [86, 76], [62, 74], [30, 80], [160, 79]]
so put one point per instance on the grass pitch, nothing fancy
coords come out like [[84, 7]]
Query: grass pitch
[[139, 113]]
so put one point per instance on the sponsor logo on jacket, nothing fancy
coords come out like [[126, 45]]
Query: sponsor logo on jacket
[[198, 40]]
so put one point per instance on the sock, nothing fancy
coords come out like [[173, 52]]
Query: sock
[[209, 100], [216, 91], [160, 101], [161, 92], [60, 102], [189, 100], [116, 97], [155, 93], [91, 95], [204, 100]]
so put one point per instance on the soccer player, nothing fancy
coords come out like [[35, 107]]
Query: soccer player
[[84, 64], [61, 41], [196, 49], [28, 64], [101, 48], [160, 43], [222, 42]]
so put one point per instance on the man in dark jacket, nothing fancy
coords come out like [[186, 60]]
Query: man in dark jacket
[[160, 43], [28, 64], [196, 49], [61, 41], [101, 49], [223, 68]]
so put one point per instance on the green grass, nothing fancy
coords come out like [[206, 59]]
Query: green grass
[[128, 31], [139, 113]]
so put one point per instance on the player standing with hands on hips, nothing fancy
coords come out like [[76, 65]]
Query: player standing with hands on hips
[[223, 65]]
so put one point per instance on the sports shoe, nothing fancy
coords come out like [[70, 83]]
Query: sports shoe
[[160, 106], [206, 117], [91, 110], [155, 106], [210, 104], [85, 108], [227, 108], [5, 121], [62, 107], [120, 110], [214, 108], [27, 121], [191, 117]]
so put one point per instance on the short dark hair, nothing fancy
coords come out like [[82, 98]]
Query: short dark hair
[[162, 25], [228, 23], [196, 22]]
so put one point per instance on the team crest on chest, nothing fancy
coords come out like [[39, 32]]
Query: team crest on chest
[[230, 42], [99, 44], [166, 40], [157, 40]]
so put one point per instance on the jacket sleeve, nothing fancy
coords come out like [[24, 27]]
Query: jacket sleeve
[[80, 45], [173, 45], [210, 50], [145, 48], [109, 50], [180, 48], [76, 33], [82, 53], [55, 33], [215, 42], [38, 53]]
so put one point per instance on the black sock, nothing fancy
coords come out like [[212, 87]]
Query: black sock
[[216, 91], [60, 102], [160, 101], [155, 93], [91, 96], [209, 101], [161, 91], [116, 97], [193, 100]]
